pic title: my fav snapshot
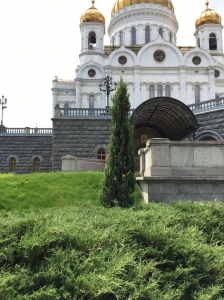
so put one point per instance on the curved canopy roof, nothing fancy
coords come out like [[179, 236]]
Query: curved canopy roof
[[168, 116]]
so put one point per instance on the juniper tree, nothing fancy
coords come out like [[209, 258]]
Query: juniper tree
[[119, 180]]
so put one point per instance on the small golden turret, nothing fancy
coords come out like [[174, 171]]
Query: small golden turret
[[92, 15], [208, 16]]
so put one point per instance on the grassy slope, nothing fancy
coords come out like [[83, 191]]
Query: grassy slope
[[84, 251], [49, 190]]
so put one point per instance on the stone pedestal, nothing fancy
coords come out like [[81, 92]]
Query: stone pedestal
[[181, 171]]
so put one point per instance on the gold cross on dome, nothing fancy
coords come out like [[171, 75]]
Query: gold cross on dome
[[93, 1], [207, 3]]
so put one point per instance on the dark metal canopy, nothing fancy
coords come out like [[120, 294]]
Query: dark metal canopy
[[171, 118]]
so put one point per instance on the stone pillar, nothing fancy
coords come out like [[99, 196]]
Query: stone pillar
[[57, 113], [141, 153], [54, 101], [211, 80], [27, 130], [183, 84], [157, 157], [137, 92], [78, 93], [193, 94]]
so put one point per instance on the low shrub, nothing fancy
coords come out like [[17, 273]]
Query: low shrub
[[149, 252]]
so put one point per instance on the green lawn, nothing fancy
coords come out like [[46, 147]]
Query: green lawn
[[44, 190], [62, 244]]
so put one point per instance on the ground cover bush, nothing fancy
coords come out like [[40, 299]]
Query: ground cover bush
[[154, 251]]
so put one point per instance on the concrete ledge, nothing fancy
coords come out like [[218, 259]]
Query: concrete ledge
[[76, 164], [167, 189]]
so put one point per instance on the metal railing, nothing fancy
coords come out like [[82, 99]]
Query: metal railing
[[25, 131], [12, 130], [208, 105], [204, 106], [101, 113], [41, 131], [98, 113]]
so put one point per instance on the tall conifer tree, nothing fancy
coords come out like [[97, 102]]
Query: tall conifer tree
[[119, 181]]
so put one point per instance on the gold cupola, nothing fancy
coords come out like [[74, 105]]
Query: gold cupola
[[92, 15], [208, 16], [120, 4]]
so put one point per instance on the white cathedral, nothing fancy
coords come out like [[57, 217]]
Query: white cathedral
[[143, 51]]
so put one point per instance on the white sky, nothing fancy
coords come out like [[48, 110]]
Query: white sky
[[40, 39]]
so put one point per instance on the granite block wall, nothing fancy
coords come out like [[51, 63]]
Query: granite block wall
[[78, 137], [211, 121], [25, 149]]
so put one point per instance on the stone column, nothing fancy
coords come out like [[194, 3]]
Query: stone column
[[78, 93], [193, 93], [137, 91], [27, 130], [183, 84], [54, 101], [211, 80], [141, 153]]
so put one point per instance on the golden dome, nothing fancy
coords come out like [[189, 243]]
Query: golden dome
[[119, 4], [208, 16], [92, 15]]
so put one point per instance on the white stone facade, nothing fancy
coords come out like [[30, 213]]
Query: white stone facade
[[190, 74]]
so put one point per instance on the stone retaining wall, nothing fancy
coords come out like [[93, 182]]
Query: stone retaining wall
[[79, 137], [211, 122], [25, 149]]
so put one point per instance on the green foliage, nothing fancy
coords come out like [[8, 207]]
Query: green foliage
[[119, 179], [42, 190], [152, 252], [45, 190]]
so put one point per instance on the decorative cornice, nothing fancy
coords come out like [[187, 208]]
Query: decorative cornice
[[121, 15], [140, 6]]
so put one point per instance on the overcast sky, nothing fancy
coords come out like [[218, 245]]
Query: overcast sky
[[40, 39]]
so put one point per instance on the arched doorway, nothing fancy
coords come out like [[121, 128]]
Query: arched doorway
[[162, 117]]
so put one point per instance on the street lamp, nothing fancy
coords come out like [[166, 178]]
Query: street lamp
[[108, 88], [3, 102]]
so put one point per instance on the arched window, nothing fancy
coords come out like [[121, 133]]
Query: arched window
[[101, 154], [161, 31], [197, 94], [92, 40], [159, 91], [133, 36], [147, 34], [171, 38], [212, 42], [66, 109], [12, 164], [151, 91], [208, 139], [91, 101], [199, 43], [36, 164], [121, 38], [168, 91]]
